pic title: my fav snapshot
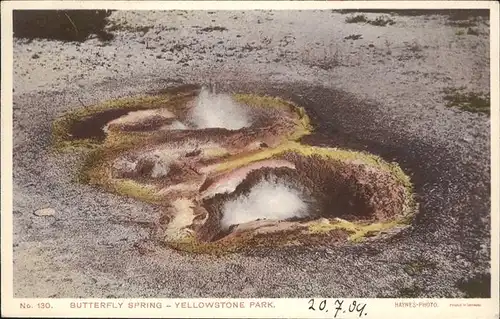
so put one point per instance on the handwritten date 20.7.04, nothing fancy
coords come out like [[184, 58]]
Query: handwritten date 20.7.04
[[338, 307]]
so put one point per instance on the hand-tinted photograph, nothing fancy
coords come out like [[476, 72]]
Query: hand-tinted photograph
[[251, 154]]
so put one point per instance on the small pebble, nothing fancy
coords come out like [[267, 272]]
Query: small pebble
[[45, 212]]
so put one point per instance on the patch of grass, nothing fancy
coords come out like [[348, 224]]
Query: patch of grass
[[477, 287], [356, 19], [213, 28], [354, 37], [460, 32], [412, 51], [169, 29], [388, 46], [467, 101], [382, 21], [330, 59]]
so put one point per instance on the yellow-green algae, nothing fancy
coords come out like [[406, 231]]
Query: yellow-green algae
[[357, 230], [128, 187], [94, 170]]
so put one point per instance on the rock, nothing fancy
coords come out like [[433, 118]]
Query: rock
[[467, 138], [45, 212]]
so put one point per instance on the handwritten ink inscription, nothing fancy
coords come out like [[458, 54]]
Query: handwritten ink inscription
[[338, 307]]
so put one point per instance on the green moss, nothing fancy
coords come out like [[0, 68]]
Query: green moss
[[321, 227], [380, 21]]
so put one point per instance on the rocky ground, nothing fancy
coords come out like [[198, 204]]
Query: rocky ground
[[378, 85]]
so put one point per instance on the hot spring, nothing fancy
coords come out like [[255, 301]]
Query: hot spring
[[229, 172]]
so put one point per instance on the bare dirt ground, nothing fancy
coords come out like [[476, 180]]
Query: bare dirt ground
[[365, 86]]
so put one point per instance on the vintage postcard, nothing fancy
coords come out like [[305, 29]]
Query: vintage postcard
[[253, 159]]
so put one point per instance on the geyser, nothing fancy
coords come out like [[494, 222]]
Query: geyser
[[269, 200], [218, 111]]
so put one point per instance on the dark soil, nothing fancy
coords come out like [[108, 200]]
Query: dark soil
[[64, 25]]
